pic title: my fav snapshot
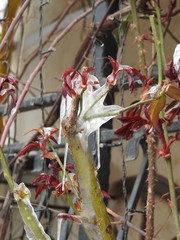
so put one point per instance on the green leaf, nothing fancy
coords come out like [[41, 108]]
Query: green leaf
[[155, 108], [173, 92]]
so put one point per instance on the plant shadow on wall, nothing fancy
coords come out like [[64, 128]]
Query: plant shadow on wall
[[82, 111]]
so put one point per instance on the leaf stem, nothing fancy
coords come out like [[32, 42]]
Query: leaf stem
[[96, 101], [158, 49], [100, 115], [161, 37]]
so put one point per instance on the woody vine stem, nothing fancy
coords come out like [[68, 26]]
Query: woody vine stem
[[168, 160], [150, 202]]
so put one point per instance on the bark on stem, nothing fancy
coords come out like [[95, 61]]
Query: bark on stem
[[150, 139], [93, 210], [151, 188]]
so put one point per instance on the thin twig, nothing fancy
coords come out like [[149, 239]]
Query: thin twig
[[121, 220], [36, 51]]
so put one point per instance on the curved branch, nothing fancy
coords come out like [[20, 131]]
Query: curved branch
[[36, 51]]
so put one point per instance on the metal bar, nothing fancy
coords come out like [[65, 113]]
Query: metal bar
[[15, 148], [34, 103], [108, 135], [137, 188]]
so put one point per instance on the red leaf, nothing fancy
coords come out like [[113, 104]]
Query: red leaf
[[134, 111], [130, 78], [44, 137], [115, 64], [112, 77], [147, 37], [59, 191], [29, 147], [56, 168], [39, 189], [173, 92], [74, 218], [45, 181], [68, 77], [105, 194], [165, 151], [121, 132], [155, 108], [9, 80], [13, 95], [171, 72], [50, 180], [49, 155], [133, 123], [77, 206], [141, 77], [172, 111]]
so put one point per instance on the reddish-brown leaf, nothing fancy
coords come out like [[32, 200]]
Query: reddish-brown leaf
[[141, 77], [171, 72], [147, 37], [39, 189], [115, 65], [155, 108], [74, 218], [68, 77], [49, 155], [105, 194], [173, 92], [132, 124], [77, 206], [56, 168], [29, 147], [172, 111], [45, 181]]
